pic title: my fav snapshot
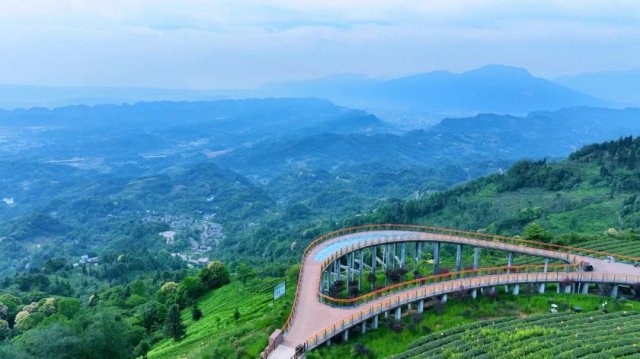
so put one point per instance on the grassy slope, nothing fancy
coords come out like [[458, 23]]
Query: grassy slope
[[210, 338], [384, 342]]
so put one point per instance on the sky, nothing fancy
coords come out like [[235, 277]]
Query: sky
[[226, 44]]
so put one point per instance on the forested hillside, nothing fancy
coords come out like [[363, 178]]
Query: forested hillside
[[592, 192]]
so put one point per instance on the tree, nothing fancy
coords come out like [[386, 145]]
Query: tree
[[372, 279], [4, 311], [535, 232], [4, 329], [245, 272], [107, 336], [55, 341], [196, 313], [292, 273], [173, 326], [139, 288], [143, 348], [13, 305], [153, 313], [214, 275]]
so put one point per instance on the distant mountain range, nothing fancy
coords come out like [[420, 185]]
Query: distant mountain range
[[25, 96], [493, 88], [619, 86], [421, 98]]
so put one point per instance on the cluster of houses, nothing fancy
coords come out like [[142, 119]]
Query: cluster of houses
[[86, 259], [210, 234], [192, 261]]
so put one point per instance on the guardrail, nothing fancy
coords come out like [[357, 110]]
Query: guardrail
[[436, 289], [474, 235], [439, 278]]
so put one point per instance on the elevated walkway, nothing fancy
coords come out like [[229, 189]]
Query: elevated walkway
[[313, 322]]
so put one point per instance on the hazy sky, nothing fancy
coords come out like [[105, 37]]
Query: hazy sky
[[243, 43]]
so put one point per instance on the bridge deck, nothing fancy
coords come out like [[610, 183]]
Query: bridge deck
[[313, 316]]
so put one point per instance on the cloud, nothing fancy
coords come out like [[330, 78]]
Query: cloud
[[239, 43]]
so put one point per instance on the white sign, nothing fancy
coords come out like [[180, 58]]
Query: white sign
[[279, 290]]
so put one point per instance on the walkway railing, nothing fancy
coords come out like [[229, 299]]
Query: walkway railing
[[433, 279], [437, 289], [474, 235]]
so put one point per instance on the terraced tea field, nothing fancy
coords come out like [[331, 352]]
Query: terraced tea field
[[566, 335]]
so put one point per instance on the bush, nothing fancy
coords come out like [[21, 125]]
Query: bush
[[196, 313], [396, 326], [359, 350], [438, 307], [467, 313]]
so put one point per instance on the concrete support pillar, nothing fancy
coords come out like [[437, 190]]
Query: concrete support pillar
[[458, 257], [387, 260], [476, 258], [325, 281], [567, 289], [345, 335], [614, 291], [542, 286], [330, 271], [516, 289], [558, 290], [386, 315], [374, 255], [421, 306], [361, 267], [436, 258], [329, 342], [363, 327], [398, 313], [353, 265], [444, 298], [348, 268], [394, 253], [336, 269], [585, 288], [374, 324], [403, 254], [509, 264], [416, 255], [474, 293]]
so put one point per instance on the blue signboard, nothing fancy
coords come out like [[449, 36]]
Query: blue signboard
[[279, 290]]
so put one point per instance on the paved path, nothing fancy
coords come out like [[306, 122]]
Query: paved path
[[313, 316]]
